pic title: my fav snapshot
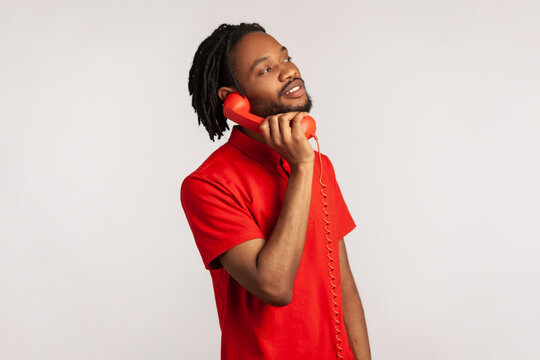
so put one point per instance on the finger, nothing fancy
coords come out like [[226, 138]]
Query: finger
[[275, 134], [285, 128], [265, 130], [296, 125]]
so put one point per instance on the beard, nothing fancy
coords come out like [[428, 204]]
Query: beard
[[264, 107]]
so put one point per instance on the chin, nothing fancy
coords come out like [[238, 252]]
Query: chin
[[304, 106]]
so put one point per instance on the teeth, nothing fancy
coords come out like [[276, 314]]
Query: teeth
[[293, 89]]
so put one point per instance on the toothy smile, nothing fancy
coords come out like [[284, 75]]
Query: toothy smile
[[292, 90]]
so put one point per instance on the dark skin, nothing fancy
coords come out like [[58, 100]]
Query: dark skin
[[267, 269]]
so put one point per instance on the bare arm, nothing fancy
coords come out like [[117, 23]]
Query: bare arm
[[353, 312], [267, 269]]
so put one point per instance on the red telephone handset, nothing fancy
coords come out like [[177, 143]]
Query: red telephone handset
[[236, 108]]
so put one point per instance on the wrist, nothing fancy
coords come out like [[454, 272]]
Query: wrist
[[302, 167]]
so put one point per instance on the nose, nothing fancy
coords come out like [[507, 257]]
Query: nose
[[288, 71]]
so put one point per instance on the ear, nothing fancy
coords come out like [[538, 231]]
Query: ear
[[224, 91]]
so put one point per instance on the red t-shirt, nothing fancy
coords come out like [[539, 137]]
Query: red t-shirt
[[235, 196]]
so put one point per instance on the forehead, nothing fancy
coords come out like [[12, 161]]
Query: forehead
[[251, 47]]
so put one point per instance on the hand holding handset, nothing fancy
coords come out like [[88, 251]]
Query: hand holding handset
[[236, 108]]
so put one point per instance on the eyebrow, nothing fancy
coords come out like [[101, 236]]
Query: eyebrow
[[258, 61]]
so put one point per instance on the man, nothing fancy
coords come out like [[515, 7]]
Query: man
[[272, 241]]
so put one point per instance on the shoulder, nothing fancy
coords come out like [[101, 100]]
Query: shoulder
[[212, 167], [325, 157], [224, 158], [326, 162], [221, 169]]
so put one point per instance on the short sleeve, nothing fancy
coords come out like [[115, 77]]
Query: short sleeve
[[343, 220], [216, 219]]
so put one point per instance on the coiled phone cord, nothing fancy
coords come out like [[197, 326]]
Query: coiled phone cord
[[330, 250]]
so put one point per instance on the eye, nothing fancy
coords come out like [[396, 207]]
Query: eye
[[266, 69]]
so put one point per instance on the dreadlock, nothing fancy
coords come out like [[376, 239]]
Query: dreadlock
[[212, 69]]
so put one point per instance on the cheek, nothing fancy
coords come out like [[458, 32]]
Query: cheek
[[266, 88]]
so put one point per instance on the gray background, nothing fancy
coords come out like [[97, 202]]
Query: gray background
[[428, 109]]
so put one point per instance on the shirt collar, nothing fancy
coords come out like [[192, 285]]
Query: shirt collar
[[260, 152]]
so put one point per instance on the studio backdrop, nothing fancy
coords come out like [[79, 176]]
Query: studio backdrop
[[428, 110]]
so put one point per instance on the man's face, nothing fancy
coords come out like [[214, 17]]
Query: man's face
[[267, 77]]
